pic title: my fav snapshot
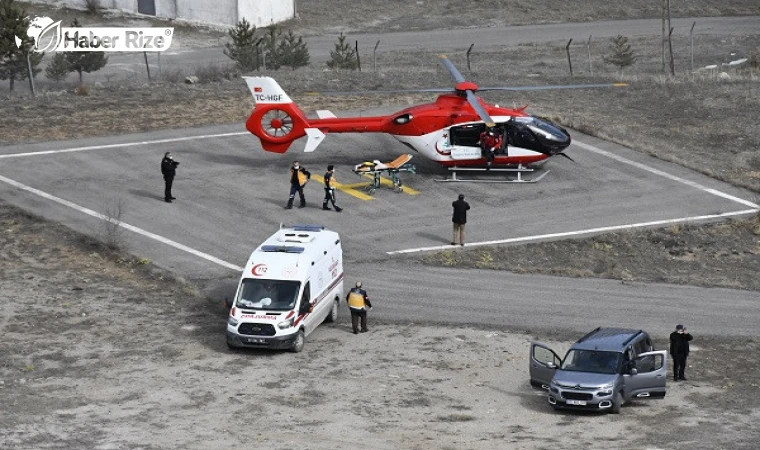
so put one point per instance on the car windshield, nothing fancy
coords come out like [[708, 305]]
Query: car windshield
[[592, 361], [271, 295]]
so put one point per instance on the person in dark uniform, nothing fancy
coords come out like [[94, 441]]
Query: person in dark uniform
[[679, 350], [358, 302], [459, 219], [330, 189], [168, 169], [298, 179]]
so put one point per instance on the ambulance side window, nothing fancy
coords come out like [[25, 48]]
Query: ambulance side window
[[305, 297]]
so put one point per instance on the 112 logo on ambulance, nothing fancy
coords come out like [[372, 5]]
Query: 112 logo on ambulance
[[259, 270]]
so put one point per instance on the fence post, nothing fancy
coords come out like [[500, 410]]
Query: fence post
[[29, 68], [567, 49], [588, 49], [374, 57], [670, 41], [469, 69], [691, 45], [670, 46], [358, 59], [147, 67]]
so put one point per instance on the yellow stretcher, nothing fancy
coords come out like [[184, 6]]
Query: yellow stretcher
[[376, 168]]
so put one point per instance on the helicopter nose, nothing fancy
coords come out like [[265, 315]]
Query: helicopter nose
[[553, 137]]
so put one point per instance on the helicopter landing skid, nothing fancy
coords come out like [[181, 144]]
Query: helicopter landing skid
[[519, 170]]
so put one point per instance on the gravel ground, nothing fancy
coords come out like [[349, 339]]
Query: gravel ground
[[102, 351]]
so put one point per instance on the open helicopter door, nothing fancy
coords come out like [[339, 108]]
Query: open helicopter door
[[463, 141]]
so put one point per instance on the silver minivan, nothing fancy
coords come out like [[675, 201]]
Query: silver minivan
[[602, 370]]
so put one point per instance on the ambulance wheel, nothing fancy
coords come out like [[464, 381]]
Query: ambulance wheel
[[333, 316], [299, 342]]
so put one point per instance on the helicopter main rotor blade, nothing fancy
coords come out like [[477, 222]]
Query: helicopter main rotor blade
[[479, 109], [452, 70], [549, 87], [382, 91]]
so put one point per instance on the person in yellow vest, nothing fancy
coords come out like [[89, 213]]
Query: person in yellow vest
[[298, 179], [358, 303], [330, 189]]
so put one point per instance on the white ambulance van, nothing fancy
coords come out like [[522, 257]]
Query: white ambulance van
[[291, 283]]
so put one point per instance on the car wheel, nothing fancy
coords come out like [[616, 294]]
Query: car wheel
[[617, 402], [333, 316], [299, 342]]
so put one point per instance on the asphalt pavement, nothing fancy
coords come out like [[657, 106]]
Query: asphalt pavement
[[231, 196]]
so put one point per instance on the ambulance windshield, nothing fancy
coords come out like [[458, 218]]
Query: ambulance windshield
[[270, 295]]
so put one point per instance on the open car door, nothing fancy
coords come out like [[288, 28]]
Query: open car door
[[648, 383], [543, 363]]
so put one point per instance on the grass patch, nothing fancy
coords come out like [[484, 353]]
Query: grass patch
[[449, 418]]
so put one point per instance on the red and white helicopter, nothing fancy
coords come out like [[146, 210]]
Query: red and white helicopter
[[446, 131]]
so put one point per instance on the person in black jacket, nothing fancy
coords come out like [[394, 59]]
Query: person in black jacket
[[330, 189], [679, 350], [459, 219], [168, 169]]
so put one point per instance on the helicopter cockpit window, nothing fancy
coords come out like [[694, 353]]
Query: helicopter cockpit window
[[520, 135]]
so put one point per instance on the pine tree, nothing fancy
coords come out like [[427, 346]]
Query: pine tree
[[622, 53], [13, 60], [272, 51], [57, 69], [81, 62], [293, 51], [343, 57], [244, 46]]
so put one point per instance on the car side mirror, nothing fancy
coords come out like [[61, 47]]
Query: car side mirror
[[551, 365], [634, 371]]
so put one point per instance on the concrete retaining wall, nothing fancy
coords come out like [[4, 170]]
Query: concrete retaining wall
[[260, 13]]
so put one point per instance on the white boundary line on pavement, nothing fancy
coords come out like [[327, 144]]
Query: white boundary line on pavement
[[638, 165], [124, 144], [126, 226], [182, 247], [579, 232], [641, 166]]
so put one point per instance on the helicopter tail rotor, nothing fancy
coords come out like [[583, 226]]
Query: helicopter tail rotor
[[276, 120]]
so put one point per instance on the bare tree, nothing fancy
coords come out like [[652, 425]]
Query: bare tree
[[112, 232]]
